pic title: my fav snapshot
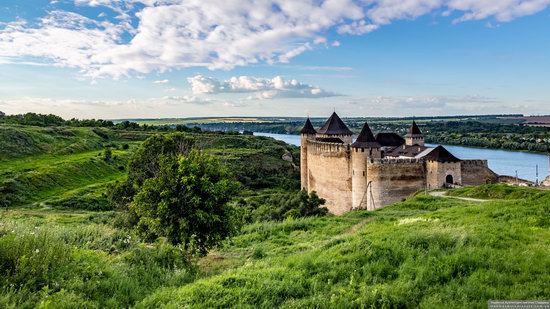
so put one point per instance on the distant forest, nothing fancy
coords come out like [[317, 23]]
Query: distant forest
[[487, 132]]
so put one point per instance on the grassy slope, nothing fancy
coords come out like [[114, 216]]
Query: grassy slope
[[44, 177], [80, 259], [425, 252], [24, 141], [62, 166]]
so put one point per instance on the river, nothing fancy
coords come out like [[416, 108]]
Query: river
[[503, 162]]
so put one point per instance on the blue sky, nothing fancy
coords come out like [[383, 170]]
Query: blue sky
[[172, 58]]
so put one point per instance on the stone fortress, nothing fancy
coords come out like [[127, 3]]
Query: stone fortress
[[374, 171]]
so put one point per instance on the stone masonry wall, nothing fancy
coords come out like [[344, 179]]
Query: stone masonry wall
[[329, 174], [393, 180], [477, 172]]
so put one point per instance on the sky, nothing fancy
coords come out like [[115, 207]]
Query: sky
[[115, 59]]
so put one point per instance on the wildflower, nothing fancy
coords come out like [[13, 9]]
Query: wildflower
[[36, 251]]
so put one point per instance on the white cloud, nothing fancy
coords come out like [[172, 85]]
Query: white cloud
[[184, 99], [502, 11], [423, 103], [161, 35], [357, 28], [68, 108], [264, 88], [163, 81]]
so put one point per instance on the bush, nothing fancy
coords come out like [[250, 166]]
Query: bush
[[107, 154], [280, 206]]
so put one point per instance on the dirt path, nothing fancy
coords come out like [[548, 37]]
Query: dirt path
[[444, 195]]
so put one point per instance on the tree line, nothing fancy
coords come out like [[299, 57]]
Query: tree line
[[50, 120]]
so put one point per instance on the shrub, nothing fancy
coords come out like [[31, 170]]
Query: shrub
[[107, 154], [280, 206]]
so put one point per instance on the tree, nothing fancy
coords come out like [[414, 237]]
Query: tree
[[145, 164], [187, 202], [146, 159]]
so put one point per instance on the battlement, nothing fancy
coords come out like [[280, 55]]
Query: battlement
[[326, 147], [397, 161], [481, 163]]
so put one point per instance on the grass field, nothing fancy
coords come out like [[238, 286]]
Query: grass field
[[62, 245], [425, 252]]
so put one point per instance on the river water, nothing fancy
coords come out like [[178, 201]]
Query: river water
[[503, 162]]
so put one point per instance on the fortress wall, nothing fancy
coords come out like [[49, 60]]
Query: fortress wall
[[516, 182], [393, 180], [477, 172], [329, 174]]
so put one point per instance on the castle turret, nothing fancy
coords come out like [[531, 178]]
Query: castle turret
[[364, 149], [307, 132], [335, 128], [414, 136]]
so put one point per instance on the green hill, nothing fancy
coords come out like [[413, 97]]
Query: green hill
[[17, 141], [63, 166], [53, 164], [63, 246], [425, 252]]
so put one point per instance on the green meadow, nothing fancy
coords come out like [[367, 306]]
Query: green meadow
[[425, 252], [62, 245]]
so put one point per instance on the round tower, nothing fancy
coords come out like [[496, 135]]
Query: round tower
[[364, 149], [307, 133]]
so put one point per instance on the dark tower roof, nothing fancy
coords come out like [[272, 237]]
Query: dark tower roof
[[389, 139], [308, 128], [365, 138], [334, 126], [440, 154], [414, 130]]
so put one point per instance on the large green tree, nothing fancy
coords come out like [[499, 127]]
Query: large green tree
[[187, 201], [145, 164]]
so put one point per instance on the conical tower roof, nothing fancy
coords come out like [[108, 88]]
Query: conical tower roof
[[365, 138], [335, 126], [414, 130], [308, 128], [440, 154]]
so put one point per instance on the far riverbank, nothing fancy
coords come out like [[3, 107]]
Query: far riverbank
[[503, 162]]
